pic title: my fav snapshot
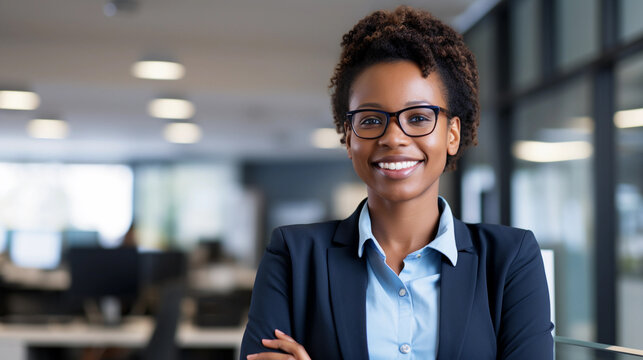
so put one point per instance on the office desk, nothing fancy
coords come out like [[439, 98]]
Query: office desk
[[15, 339]]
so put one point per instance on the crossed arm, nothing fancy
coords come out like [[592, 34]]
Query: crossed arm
[[292, 350]]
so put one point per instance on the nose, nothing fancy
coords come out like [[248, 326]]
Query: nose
[[394, 136]]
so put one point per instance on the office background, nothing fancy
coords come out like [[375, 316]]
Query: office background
[[252, 147]]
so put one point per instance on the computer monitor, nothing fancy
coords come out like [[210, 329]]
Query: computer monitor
[[98, 272], [35, 248], [159, 267]]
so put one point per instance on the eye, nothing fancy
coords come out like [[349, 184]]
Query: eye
[[419, 120], [370, 121]]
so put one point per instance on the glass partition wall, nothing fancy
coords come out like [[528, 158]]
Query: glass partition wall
[[628, 120], [561, 153], [551, 193]]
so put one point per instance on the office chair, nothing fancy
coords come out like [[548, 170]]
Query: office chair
[[162, 344]]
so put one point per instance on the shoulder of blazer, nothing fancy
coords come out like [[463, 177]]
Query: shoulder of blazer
[[321, 232], [487, 239], [493, 231]]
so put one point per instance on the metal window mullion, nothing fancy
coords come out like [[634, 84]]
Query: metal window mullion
[[549, 38], [605, 206], [504, 123], [606, 230]]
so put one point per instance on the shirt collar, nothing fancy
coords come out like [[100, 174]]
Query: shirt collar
[[444, 241]]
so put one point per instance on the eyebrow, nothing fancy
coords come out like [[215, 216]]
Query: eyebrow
[[408, 103]]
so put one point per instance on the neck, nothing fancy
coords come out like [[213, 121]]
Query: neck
[[405, 226]]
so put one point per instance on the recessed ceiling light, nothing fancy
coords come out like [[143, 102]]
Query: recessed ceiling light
[[182, 132], [628, 118], [170, 108], [325, 138], [538, 151], [158, 70], [18, 100], [47, 129]]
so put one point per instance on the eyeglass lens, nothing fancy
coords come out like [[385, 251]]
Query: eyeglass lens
[[414, 122]]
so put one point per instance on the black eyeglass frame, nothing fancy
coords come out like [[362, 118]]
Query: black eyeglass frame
[[436, 109]]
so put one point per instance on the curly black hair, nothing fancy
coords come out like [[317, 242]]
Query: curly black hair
[[417, 36]]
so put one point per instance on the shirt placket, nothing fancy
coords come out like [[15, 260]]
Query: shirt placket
[[405, 315]]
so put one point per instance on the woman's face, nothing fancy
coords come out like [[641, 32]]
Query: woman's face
[[392, 86]]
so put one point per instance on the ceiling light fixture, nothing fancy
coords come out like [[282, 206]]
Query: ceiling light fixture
[[325, 138], [166, 108], [18, 100], [539, 151], [47, 129], [182, 132], [628, 118], [158, 70]]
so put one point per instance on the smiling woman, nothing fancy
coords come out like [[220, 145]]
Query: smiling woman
[[401, 278], [383, 161]]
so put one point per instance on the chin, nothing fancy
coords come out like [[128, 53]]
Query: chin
[[397, 195]]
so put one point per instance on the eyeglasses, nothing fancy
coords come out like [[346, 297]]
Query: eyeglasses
[[415, 121]]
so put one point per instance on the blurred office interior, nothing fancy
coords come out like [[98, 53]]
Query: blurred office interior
[[150, 147]]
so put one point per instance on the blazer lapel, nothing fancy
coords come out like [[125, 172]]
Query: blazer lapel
[[348, 279], [457, 290]]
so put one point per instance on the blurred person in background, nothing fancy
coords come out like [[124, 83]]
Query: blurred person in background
[[401, 277]]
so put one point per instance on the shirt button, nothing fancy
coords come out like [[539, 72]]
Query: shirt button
[[418, 256], [402, 292], [405, 348]]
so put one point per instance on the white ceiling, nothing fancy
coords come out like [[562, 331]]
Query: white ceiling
[[257, 72]]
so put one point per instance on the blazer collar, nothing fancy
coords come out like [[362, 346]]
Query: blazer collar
[[347, 232], [457, 291], [348, 278], [462, 236]]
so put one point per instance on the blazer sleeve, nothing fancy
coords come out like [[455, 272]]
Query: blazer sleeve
[[270, 305], [526, 329]]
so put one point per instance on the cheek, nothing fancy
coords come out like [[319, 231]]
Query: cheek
[[359, 155], [357, 152], [436, 150], [436, 145], [439, 144]]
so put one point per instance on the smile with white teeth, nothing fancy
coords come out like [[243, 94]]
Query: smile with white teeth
[[397, 165]]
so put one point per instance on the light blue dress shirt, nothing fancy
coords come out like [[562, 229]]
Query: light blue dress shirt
[[402, 312]]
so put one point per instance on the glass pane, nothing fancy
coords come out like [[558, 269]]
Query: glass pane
[[525, 42], [184, 204], [480, 187], [630, 14], [629, 199], [480, 192], [577, 24], [482, 41], [551, 190]]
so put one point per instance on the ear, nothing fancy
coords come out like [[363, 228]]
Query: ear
[[453, 140], [349, 137]]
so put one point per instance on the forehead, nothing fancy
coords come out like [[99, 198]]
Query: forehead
[[392, 85]]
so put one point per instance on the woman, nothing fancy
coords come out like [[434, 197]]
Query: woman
[[401, 278]]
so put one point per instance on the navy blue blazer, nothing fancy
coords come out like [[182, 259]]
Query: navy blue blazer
[[311, 284]]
